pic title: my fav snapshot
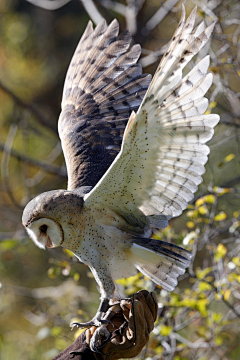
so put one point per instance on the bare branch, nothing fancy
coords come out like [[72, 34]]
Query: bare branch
[[39, 116], [131, 16], [54, 169], [117, 7], [192, 345], [153, 56], [39, 176], [92, 11], [5, 163], [159, 16]]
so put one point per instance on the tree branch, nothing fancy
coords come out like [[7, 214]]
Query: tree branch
[[40, 117], [54, 169]]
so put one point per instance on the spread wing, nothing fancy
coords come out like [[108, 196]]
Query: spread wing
[[102, 87], [163, 151]]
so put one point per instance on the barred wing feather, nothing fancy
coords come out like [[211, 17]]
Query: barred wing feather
[[104, 84], [163, 150]]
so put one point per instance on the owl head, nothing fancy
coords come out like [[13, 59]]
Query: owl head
[[48, 216]]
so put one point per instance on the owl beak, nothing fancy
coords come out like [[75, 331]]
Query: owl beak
[[49, 244]]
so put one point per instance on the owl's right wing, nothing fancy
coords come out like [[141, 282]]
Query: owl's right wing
[[103, 85], [163, 151]]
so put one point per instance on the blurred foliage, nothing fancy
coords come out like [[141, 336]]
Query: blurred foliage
[[42, 292]]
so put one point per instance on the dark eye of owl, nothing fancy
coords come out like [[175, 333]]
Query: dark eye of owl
[[43, 228]]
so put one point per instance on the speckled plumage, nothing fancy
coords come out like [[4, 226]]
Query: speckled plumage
[[123, 182]]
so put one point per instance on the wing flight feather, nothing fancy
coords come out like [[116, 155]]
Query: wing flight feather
[[163, 150], [103, 86]]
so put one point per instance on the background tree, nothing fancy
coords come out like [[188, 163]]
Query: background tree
[[40, 291]]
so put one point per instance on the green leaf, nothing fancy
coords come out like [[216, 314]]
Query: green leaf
[[216, 317], [202, 273], [8, 244], [203, 286], [56, 330], [218, 340]]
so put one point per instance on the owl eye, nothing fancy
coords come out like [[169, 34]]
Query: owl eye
[[43, 229]]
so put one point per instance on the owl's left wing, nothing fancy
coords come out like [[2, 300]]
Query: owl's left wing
[[163, 151], [104, 84]]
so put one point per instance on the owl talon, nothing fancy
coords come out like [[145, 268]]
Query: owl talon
[[93, 322]]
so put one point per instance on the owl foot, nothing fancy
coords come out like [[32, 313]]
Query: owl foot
[[98, 319], [102, 335]]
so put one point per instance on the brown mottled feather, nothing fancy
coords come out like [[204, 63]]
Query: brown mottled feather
[[103, 86]]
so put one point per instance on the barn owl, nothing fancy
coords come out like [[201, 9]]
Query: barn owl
[[135, 152]]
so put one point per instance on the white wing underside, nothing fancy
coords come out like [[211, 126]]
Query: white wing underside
[[163, 150]]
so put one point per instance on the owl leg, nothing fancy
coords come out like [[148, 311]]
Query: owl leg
[[107, 290], [97, 320]]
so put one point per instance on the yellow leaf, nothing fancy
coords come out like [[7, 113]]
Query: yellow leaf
[[210, 199], [227, 294], [203, 210], [201, 306], [236, 214], [78, 333], [231, 277], [221, 216], [202, 273], [157, 236], [200, 201], [68, 252], [76, 276], [158, 350], [216, 316], [192, 214], [218, 340], [129, 281], [220, 252], [229, 157], [236, 260], [203, 286], [218, 296], [56, 330], [221, 191], [190, 224], [165, 330], [213, 104], [53, 272]]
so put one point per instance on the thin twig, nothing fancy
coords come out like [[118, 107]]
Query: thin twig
[[54, 169], [117, 7], [92, 10], [39, 176], [5, 163], [40, 117], [158, 16]]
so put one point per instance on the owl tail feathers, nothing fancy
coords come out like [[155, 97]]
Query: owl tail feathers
[[160, 261]]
